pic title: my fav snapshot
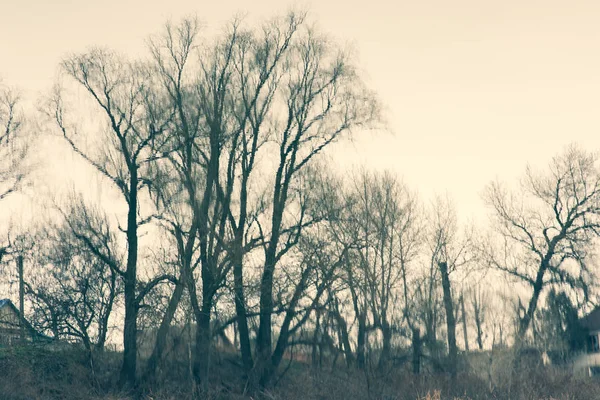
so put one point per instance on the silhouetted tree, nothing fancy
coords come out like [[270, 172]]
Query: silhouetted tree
[[123, 149], [73, 291], [546, 232], [15, 142]]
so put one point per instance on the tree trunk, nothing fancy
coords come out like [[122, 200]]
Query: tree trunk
[[464, 322], [263, 352], [431, 335], [315, 340], [478, 323], [284, 333], [343, 335], [537, 289], [384, 359], [526, 320], [361, 342], [240, 307], [264, 340], [127, 378], [163, 331], [450, 320], [202, 353], [416, 354], [103, 329]]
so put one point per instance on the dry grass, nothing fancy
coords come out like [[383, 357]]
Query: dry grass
[[40, 374]]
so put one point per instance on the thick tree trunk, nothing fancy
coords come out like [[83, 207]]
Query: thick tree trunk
[[416, 351], [450, 320], [361, 342], [127, 378], [240, 307], [386, 332], [264, 338], [526, 320], [201, 367], [266, 309], [537, 289]]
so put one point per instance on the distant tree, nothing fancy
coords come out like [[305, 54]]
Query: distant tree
[[449, 250], [14, 146], [72, 290], [546, 232], [384, 220], [479, 304]]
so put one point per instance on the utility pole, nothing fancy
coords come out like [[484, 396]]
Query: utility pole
[[21, 297]]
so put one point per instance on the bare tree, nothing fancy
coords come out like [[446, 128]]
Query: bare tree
[[449, 251], [73, 290], [126, 147], [323, 100], [479, 303], [283, 85], [14, 146], [387, 221], [546, 232]]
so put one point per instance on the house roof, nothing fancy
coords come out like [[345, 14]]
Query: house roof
[[32, 330]]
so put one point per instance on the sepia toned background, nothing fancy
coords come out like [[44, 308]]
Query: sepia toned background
[[473, 90]]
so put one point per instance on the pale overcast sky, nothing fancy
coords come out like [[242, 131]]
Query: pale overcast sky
[[475, 89]]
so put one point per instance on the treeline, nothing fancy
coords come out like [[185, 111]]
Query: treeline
[[233, 221]]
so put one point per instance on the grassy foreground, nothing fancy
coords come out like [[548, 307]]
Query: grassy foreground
[[35, 373]]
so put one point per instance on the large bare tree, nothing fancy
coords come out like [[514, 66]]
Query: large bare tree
[[321, 99], [123, 148], [545, 232]]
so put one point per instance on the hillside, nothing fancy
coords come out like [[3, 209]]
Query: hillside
[[40, 374]]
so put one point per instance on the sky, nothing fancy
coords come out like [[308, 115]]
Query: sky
[[473, 89]]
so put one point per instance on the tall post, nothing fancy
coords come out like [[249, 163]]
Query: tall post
[[21, 297]]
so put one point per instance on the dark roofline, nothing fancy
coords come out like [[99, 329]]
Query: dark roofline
[[32, 330]]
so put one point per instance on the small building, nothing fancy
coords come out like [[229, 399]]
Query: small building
[[10, 326], [589, 362]]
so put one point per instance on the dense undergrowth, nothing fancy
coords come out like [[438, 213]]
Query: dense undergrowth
[[31, 373]]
